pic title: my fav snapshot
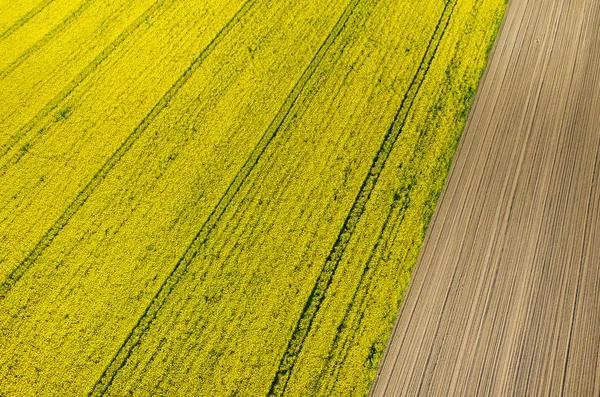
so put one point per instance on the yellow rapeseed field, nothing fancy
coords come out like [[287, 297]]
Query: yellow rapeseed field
[[220, 197]]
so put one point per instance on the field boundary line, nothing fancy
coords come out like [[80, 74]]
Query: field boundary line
[[317, 295], [402, 200], [134, 337], [45, 39], [15, 275], [66, 91], [25, 18]]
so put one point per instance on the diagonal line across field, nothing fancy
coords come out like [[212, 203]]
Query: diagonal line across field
[[46, 39], [68, 89], [504, 296], [15, 275], [221, 197], [180, 268], [32, 13], [319, 290]]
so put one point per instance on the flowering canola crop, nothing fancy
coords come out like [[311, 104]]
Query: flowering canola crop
[[220, 197]]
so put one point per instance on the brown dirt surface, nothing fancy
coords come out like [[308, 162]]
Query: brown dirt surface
[[505, 296]]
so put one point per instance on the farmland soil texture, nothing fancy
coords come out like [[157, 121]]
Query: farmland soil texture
[[505, 296]]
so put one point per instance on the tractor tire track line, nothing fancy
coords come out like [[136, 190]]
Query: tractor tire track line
[[67, 90], [403, 202], [318, 293], [16, 274], [498, 353], [356, 301], [46, 38], [150, 313], [34, 11]]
